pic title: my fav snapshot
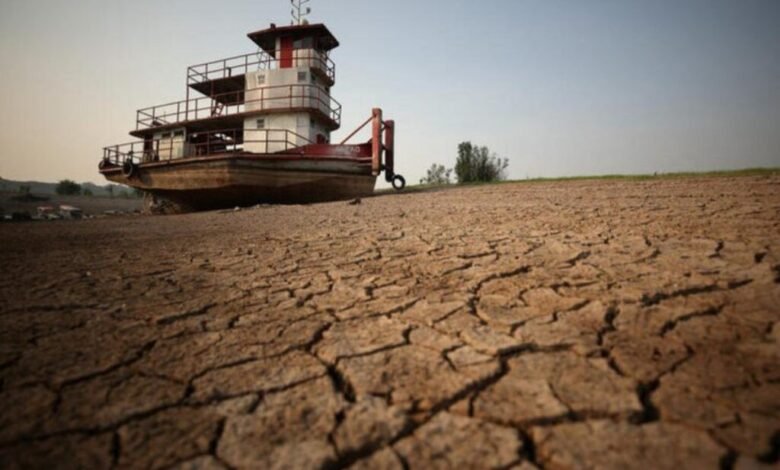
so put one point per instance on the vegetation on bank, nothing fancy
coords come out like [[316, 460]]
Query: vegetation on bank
[[478, 165], [43, 189], [627, 177], [642, 177], [474, 164], [71, 188]]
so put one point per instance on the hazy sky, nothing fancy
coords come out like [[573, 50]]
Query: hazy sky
[[560, 87]]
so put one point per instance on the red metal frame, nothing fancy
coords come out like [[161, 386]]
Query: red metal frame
[[382, 144], [389, 150], [376, 141]]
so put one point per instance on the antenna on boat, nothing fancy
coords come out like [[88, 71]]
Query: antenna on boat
[[298, 13]]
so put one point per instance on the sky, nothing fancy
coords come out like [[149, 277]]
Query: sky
[[559, 87]]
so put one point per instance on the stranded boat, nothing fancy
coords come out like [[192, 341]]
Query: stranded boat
[[260, 132]]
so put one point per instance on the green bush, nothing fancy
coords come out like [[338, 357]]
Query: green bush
[[477, 164], [68, 188], [437, 175]]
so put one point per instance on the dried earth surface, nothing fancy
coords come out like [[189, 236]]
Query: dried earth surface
[[606, 324]]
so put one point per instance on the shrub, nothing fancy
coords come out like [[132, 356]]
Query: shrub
[[478, 164], [437, 175], [68, 188]]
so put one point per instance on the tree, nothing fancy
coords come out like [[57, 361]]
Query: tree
[[437, 175], [478, 164], [68, 188]]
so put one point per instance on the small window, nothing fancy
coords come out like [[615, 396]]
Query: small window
[[261, 79], [165, 135], [302, 76], [179, 133], [260, 123]]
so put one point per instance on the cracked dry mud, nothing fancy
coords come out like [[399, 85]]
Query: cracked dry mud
[[558, 325]]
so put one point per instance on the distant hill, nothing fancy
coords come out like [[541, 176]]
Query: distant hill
[[38, 187]]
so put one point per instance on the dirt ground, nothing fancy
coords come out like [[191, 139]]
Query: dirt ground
[[608, 324]]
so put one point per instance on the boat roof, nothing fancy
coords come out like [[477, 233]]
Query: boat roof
[[266, 38]]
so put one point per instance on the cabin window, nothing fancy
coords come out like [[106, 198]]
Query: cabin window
[[166, 135], [178, 134], [260, 123], [302, 76], [261, 79]]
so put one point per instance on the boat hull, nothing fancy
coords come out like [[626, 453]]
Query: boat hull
[[219, 182]]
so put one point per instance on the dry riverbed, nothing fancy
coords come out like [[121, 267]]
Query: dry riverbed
[[608, 324]]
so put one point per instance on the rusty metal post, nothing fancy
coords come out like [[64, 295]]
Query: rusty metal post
[[389, 150], [376, 142]]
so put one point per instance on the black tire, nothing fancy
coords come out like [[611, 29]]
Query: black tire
[[129, 168], [399, 183]]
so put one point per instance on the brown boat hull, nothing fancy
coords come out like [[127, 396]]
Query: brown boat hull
[[220, 182]]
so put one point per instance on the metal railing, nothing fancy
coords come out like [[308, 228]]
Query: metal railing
[[203, 144], [258, 99], [242, 64]]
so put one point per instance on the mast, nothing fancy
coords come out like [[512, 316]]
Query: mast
[[298, 13]]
